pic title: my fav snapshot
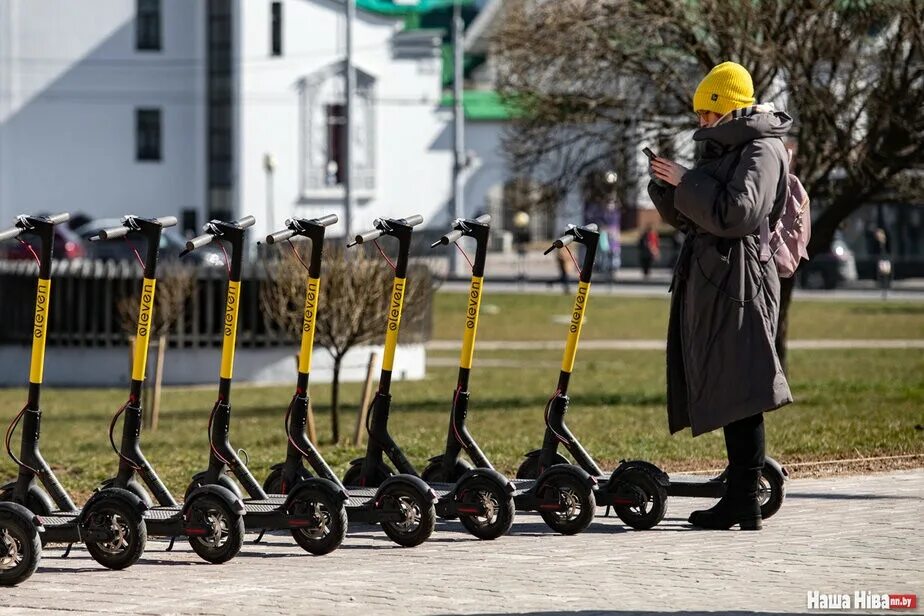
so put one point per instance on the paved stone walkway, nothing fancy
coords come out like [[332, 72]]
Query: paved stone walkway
[[834, 535]]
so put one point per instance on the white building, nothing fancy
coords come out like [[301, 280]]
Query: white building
[[214, 108]]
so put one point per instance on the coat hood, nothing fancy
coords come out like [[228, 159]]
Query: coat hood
[[747, 124]]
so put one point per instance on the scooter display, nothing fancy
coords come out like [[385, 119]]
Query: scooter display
[[564, 493], [212, 516], [402, 504], [636, 490], [480, 498], [111, 524], [313, 511]]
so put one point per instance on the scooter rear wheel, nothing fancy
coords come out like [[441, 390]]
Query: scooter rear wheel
[[578, 501], [225, 535], [22, 550], [126, 530], [651, 499], [417, 509], [499, 508], [329, 521]]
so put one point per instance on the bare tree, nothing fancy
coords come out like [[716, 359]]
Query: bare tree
[[592, 78], [351, 312]]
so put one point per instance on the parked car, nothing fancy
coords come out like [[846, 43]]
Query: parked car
[[171, 245], [68, 245], [830, 269]]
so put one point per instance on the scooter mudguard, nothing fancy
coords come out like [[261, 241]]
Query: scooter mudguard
[[119, 494], [230, 498], [224, 481], [567, 469], [316, 483], [660, 476], [134, 486], [415, 483], [38, 501], [14, 511], [768, 461], [487, 473]]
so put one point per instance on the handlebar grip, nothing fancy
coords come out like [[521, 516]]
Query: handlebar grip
[[246, 221], [559, 243], [484, 219], [326, 221], [279, 236], [110, 234], [199, 241], [57, 219], [10, 233], [368, 236], [447, 239], [167, 221], [413, 221], [591, 227]]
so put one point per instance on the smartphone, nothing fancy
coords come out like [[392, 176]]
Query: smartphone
[[651, 155]]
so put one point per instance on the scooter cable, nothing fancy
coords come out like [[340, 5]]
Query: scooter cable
[[297, 256], [288, 433], [135, 250], [382, 252], [31, 249], [577, 267], [225, 253], [548, 409], [9, 436], [211, 445], [112, 424], [455, 401], [464, 254]]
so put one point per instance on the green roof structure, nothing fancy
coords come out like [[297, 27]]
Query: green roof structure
[[401, 9], [484, 105]]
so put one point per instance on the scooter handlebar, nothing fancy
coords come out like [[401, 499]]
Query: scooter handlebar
[[246, 221], [326, 221], [167, 221], [368, 236], [559, 243], [447, 239], [412, 221], [484, 219], [10, 233], [110, 234], [57, 219], [198, 242], [279, 236]]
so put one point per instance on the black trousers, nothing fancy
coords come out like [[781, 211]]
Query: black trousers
[[745, 442]]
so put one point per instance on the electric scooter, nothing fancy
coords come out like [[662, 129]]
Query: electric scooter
[[402, 504], [111, 524], [637, 490], [212, 516], [314, 510], [563, 494], [480, 498]]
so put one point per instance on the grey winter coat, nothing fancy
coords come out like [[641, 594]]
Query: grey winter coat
[[722, 364]]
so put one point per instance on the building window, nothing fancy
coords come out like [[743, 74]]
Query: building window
[[336, 140], [147, 134], [147, 25], [323, 131], [276, 29]]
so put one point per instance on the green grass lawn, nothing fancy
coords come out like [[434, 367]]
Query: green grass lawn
[[849, 403], [510, 316]]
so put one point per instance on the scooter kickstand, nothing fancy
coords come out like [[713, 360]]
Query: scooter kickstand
[[607, 514], [172, 541], [67, 550], [260, 536]]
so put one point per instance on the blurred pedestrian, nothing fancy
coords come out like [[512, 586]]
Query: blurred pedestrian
[[649, 249], [722, 366]]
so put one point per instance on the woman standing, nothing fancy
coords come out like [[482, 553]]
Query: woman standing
[[722, 366]]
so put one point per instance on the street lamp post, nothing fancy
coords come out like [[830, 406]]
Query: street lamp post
[[458, 124], [269, 166]]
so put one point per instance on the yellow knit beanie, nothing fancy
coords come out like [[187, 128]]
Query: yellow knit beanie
[[727, 87]]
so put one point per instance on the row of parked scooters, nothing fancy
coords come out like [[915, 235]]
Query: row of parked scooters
[[302, 495]]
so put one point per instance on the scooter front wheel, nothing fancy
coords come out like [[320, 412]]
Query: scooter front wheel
[[326, 526], [498, 507], [20, 550], [577, 502], [650, 498], [771, 490], [125, 531], [224, 529], [418, 515], [529, 469]]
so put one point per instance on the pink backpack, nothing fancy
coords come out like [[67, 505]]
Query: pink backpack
[[788, 241]]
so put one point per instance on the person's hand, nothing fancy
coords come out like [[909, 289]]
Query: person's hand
[[667, 170]]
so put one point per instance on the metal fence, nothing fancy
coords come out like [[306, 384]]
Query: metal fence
[[85, 297]]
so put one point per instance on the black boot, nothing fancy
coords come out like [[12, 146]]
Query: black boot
[[739, 506], [745, 443]]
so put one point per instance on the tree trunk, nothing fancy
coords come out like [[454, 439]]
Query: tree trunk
[[782, 326], [335, 402]]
